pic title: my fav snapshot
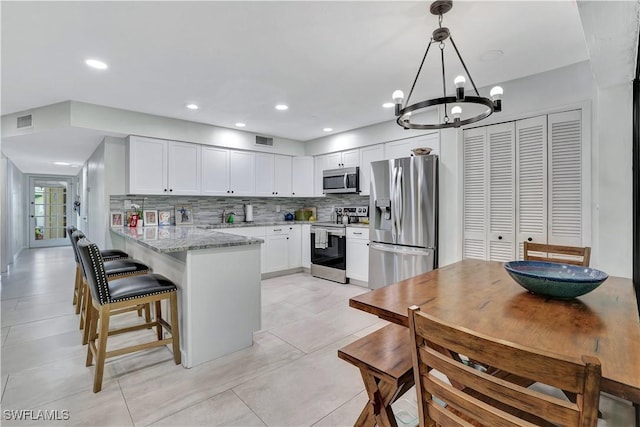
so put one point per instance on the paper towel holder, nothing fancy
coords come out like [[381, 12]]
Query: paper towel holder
[[248, 213]]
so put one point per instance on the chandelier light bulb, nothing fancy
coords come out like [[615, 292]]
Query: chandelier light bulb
[[456, 112], [398, 96], [496, 93], [459, 81]]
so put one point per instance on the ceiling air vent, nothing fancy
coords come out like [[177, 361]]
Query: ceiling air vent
[[24, 121], [263, 140]]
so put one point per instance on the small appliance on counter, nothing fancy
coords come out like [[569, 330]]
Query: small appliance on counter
[[288, 216]]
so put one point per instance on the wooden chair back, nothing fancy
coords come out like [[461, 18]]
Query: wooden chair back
[[555, 253], [93, 267], [478, 398]]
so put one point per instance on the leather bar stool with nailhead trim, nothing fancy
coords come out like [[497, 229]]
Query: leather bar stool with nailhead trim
[[116, 269], [108, 296], [107, 255]]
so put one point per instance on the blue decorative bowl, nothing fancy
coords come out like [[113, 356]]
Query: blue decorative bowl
[[555, 280]]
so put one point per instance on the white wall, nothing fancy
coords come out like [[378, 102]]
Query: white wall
[[4, 262], [18, 214], [614, 210]]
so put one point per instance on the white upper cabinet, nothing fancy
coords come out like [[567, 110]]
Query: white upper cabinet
[[184, 168], [215, 171], [342, 159], [156, 166], [147, 168], [302, 177], [273, 175], [242, 172], [403, 147], [368, 155]]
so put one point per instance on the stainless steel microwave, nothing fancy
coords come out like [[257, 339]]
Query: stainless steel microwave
[[343, 180]]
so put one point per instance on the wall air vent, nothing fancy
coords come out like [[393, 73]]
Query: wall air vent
[[24, 122], [265, 141]]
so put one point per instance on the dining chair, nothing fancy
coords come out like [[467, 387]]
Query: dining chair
[[109, 296], [479, 398], [556, 253], [107, 255]]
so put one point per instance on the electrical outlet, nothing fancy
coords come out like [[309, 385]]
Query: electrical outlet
[[277, 208]]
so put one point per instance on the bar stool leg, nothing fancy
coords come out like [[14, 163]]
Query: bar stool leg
[[158, 317], [101, 348]]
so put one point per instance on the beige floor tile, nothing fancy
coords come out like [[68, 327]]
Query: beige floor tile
[[302, 392], [324, 328], [30, 354], [282, 313], [38, 386], [107, 408], [180, 388], [346, 414], [225, 409], [35, 313], [41, 329]]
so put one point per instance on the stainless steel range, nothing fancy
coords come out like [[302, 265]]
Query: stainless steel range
[[329, 244]]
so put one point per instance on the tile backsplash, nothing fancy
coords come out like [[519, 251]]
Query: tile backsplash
[[208, 209]]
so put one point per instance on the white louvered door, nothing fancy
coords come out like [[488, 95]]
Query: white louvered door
[[501, 171], [474, 194], [531, 181], [565, 179]]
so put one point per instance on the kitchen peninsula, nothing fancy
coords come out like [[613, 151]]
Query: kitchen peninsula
[[218, 277]]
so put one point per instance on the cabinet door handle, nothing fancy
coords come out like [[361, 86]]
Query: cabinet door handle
[[231, 191], [499, 237], [165, 190], [277, 229], [293, 194], [359, 234], [287, 238], [530, 239], [171, 189]]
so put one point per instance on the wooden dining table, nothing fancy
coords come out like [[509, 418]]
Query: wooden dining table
[[481, 296]]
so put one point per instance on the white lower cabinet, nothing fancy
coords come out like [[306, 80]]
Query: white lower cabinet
[[358, 253], [306, 246], [295, 246]]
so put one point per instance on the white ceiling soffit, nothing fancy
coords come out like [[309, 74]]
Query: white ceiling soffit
[[36, 152], [333, 63], [611, 32]]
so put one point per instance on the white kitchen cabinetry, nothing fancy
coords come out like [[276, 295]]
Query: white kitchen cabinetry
[[302, 177], [523, 180], [156, 166], [306, 245], [215, 171], [358, 253], [295, 246], [368, 155], [242, 172], [273, 175], [403, 147], [277, 248]]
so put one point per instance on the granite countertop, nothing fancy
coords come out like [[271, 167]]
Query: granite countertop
[[168, 239], [250, 224]]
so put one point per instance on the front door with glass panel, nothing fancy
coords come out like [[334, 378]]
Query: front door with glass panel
[[49, 211]]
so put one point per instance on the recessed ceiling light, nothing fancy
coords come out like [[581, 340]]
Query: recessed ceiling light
[[327, 129], [192, 106], [282, 107], [62, 163], [388, 105], [240, 124], [94, 63], [491, 55]]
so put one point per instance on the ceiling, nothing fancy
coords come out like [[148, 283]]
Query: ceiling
[[333, 63]]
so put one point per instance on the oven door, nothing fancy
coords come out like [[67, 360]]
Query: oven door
[[330, 252]]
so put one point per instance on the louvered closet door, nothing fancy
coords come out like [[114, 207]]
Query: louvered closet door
[[474, 194], [565, 179], [531, 181], [501, 164]]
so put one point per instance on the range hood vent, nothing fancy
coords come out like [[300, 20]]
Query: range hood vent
[[24, 122], [264, 141]]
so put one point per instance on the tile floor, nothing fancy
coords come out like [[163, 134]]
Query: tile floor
[[291, 376]]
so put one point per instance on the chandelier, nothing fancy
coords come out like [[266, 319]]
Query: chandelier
[[440, 35]]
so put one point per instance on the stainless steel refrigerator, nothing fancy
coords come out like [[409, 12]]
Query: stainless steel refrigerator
[[403, 230]]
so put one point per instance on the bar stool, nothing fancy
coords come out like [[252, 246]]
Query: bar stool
[[115, 269], [107, 255], [108, 296]]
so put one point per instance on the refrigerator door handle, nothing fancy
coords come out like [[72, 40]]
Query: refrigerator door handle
[[385, 247], [399, 200], [394, 215]]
